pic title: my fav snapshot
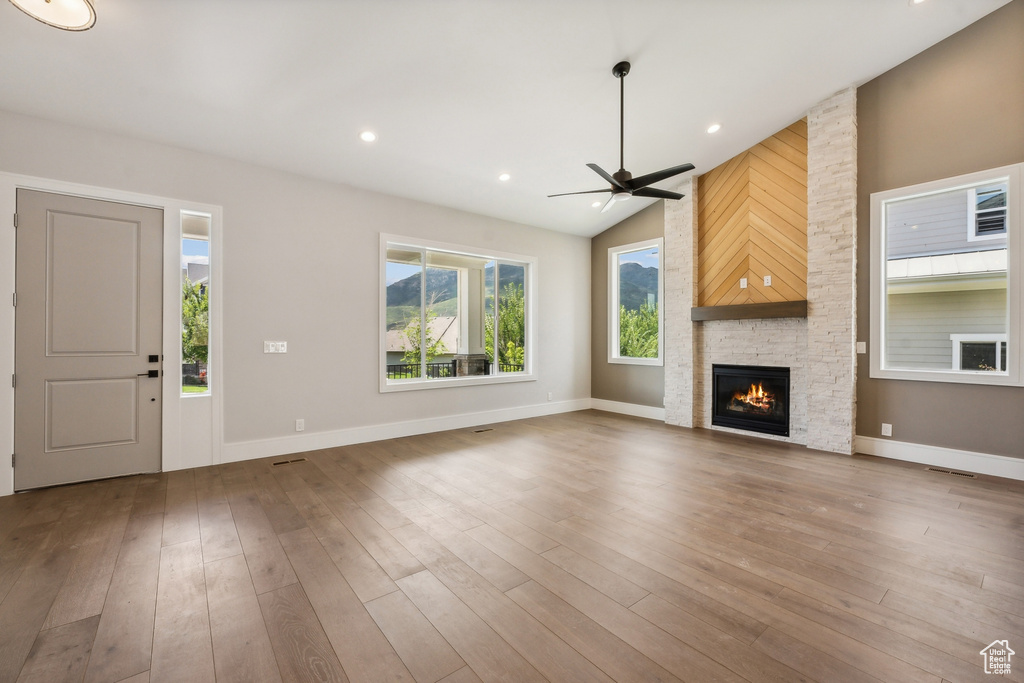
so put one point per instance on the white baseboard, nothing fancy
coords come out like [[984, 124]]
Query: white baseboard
[[950, 458], [650, 412], [311, 441]]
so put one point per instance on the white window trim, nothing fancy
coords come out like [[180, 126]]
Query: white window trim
[[528, 374], [1015, 297], [957, 339], [613, 302], [972, 220]]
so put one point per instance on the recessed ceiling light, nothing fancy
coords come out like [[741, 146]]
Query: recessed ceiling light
[[714, 128], [596, 204], [504, 177], [69, 15], [368, 136], [916, 2]]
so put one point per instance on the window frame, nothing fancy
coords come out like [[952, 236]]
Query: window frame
[[613, 301], [1014, 236], [976, 338], [529, 263], [972, 218]]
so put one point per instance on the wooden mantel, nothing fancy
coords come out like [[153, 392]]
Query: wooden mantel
[[775, 309]]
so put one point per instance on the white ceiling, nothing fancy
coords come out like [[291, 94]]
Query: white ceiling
[[460, 91]]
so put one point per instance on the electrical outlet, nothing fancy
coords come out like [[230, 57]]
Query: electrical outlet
[[886, 429], [300, 425], [767, 280], [743, 283], [862, 347], [551, 395]]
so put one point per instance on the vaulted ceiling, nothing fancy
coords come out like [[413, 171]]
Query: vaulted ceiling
[[461, 91]]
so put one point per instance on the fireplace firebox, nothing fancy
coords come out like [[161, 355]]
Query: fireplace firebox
[[751, 397]]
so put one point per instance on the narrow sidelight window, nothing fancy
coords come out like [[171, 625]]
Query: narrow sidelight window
[[195, 303]]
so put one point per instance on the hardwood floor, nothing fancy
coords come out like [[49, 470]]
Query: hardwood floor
[[577, 547]]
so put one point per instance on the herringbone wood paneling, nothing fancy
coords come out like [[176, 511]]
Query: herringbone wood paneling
[[752, 222]]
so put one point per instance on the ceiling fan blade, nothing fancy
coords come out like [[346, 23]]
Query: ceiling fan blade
[[566, 194], [607, 176], [655, 192], [608, 204], [651, 178]]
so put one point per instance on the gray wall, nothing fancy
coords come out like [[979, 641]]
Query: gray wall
[[640, 384], [300, 264], [956, 108]]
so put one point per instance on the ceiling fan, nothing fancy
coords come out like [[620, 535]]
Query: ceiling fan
[[623, 184]]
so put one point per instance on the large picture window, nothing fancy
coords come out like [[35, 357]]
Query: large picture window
[[946, 287], [453, 317], [635, 292]]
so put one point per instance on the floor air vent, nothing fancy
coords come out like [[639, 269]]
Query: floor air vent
[[955, 474], [286, 462], [480, 431]]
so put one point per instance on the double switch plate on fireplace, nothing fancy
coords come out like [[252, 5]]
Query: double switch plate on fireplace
[[767, 281]]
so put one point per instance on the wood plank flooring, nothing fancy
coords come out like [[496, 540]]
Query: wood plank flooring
[[577, 547]]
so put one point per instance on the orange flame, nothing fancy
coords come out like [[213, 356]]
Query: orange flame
[[756, 396]]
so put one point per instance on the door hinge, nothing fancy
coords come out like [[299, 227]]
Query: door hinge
[[14, 380], [15, 299], [12, 459], [15, 220]]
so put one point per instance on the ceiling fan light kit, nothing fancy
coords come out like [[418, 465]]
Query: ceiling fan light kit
[[67, 15], [622, 183]]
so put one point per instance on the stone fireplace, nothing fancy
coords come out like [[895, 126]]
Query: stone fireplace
[[818, 347]]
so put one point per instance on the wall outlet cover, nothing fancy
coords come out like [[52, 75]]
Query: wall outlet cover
[[743, 283], [300, 425], [767, 280], [886, 429], [862, 347]]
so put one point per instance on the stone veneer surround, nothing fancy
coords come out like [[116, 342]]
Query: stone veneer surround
[[820, 350]]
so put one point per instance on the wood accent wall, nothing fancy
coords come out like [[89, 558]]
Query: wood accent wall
[[752, 222]]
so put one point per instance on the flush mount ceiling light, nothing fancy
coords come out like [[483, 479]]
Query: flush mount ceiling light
[[67, 15]]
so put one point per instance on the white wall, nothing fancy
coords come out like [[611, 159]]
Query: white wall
[[300, 261]]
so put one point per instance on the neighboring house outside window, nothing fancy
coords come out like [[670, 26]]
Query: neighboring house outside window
[[946, 293]]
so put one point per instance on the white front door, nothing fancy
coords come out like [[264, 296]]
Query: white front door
[[88, 330]]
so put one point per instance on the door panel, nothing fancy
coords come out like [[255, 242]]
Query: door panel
[[107, 291], [90, 413], [88, 316]]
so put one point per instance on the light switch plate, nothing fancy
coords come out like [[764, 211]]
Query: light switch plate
[[862, 347]]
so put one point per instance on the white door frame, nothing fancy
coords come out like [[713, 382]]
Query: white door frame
[[172, 426]]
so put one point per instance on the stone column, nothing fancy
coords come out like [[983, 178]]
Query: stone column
[[831, 272], [680, 263]]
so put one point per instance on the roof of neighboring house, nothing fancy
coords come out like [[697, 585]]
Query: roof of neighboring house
[[948, 265], [445, 328]]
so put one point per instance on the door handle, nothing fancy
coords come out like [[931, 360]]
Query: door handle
[[151, 373]]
